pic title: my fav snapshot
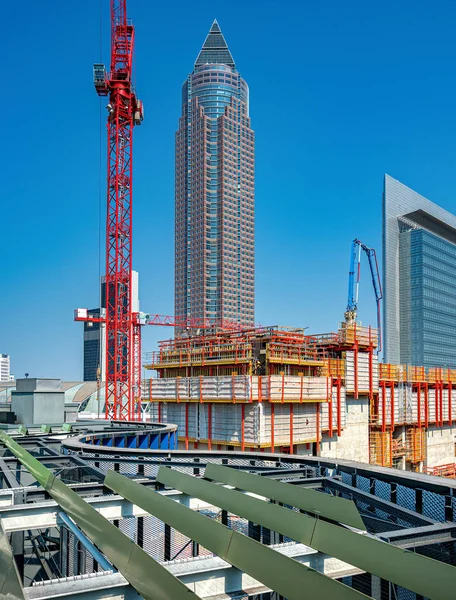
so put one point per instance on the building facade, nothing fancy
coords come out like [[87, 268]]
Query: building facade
[[5, 366], [419, 279], [92, 350], [214, 191], [94, 340]]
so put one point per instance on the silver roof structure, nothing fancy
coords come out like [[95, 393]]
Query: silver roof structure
[[98, 514]]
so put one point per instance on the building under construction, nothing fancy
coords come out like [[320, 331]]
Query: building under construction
[[279, 390]]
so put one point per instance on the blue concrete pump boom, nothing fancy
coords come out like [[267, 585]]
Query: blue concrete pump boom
[[353, 283]]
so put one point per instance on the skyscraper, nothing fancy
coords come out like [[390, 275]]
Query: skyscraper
[[419, 279], [214, 219], [5, 374], [94, 339]]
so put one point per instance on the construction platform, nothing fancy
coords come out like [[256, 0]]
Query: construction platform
[[322, 394]]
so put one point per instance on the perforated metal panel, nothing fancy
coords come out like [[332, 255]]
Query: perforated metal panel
[[406, 497], [434, 506]]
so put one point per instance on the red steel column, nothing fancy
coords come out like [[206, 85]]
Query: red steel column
[[450, 408], [209, 425], [371, 368], [291, 427], [330, 406], [186, 425], [392, 406], [441, 403], [418, 401], [272, 426], [438, 415], [242, 427], [426, 405], [355, 354], [339, 420]]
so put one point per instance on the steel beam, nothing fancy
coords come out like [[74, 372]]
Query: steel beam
[[224, 579], [41, 515], [146, 575], [421, 536], [7, 474], [324, 505], [422, 575], [10, 582], [405, 514], [285, 576]]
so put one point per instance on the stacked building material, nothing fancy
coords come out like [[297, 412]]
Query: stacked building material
[[239, 388]]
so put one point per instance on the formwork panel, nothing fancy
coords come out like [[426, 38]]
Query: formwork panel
[[364, 380], [304, 423], [294, 388], [241, 388], [185, 416], [324, 408]]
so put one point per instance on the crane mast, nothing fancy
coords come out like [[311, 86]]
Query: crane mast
[[123, 341], [353, 284]]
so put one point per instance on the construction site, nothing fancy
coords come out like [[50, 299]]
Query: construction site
[[279, 390], [255, 462]]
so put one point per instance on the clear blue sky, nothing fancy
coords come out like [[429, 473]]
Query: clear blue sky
[[341, 92]]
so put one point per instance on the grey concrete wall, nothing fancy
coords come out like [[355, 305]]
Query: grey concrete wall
[[36, 408], [353, 444], [49, 407], [440, 445], [22, 406]]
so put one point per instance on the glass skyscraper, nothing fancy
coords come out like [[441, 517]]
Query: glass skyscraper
[[419, 273], [214, 194]]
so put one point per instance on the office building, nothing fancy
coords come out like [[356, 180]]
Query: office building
[[5, 366], [95, 333], [419, 275], [214, 195]]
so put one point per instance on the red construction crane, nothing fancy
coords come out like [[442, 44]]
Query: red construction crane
[[123, 344]]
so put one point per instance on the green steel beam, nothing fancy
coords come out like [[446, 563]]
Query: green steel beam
[[148, 577], [280, 573], [420, 574], [10, 582], [324, 505]]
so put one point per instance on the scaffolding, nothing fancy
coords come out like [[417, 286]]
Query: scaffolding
[[259, 351], [381, 448], [415, 440], [448, 470]]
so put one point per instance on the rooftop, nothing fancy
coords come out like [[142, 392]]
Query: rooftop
[[215, 49], [225, 525]]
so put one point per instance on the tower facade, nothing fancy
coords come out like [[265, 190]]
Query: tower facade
[[419, 279], [214, 191]]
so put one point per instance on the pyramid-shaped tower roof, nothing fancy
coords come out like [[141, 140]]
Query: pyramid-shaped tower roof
[[215, 49]]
